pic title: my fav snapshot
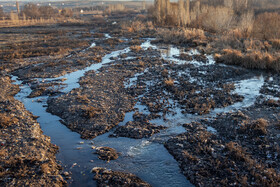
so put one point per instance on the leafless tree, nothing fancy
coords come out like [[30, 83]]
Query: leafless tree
[[187, 18], [158, 10], [31, 11], [2, 13]]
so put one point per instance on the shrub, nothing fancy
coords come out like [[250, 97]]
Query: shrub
[[252, 60], [176, 36], [217, 19], [230, 56], [255, 128], [67, 12], [165, 73], [275, 43], [31, 10], [267, 26]]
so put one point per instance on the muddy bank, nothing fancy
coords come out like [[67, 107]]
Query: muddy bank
[[27, 156], [95, 108], [240, 148]]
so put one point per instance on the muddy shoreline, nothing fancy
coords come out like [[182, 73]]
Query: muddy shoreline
[[27, 156]]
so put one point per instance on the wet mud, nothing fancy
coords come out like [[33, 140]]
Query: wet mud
[[27, 156], [135, 101]]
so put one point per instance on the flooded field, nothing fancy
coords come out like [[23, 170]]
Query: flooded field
[[100, 104], [147, 158]]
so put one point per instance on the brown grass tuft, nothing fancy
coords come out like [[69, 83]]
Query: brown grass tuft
[[7, 120], [169, 82], [135, 48]]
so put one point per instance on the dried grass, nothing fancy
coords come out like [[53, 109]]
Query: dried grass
[[169, 82], [177, 36]]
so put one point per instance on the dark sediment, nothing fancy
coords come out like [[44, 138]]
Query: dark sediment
[[27, 156], [137, 130], [243, 151], [106, 177], [107, 153]]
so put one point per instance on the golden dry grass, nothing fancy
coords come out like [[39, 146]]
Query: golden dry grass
[[135, 48], [177, 36], [7, 120], [169, 82], [253, 60]]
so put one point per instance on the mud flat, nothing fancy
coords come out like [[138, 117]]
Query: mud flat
[[75, 153]]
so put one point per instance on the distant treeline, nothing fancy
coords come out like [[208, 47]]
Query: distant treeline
[[33, 11]]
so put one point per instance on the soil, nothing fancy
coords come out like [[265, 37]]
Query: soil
[[27, 156], [137, 130], [243, 150], [106, 177], [107, 153], [102, 100]]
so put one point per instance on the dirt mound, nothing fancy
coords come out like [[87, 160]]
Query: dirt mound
[[110, 178]]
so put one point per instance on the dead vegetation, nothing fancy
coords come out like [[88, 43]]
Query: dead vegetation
[[214, 159], [6, 120], [241, 36], [251, 60], [181, 36], [106, 177], [107, 153], [27, 156]]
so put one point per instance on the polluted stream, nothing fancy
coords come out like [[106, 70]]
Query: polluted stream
[[146, 158]]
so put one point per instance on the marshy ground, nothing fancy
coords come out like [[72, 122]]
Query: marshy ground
[[119, 88]]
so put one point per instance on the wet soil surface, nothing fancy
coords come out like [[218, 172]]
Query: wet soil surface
[[220, 123], [102, 100], [106, 177], [243, 149], [27, 156], [107, 153]]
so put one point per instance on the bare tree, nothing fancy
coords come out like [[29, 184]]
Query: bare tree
[[2, 13], [47, 12], [163, 10], [217, 19], [167, 7], [181, 12], [246, 22], [144, 4], [158, 10], [187, 18], [31, 11], [267, 26]]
